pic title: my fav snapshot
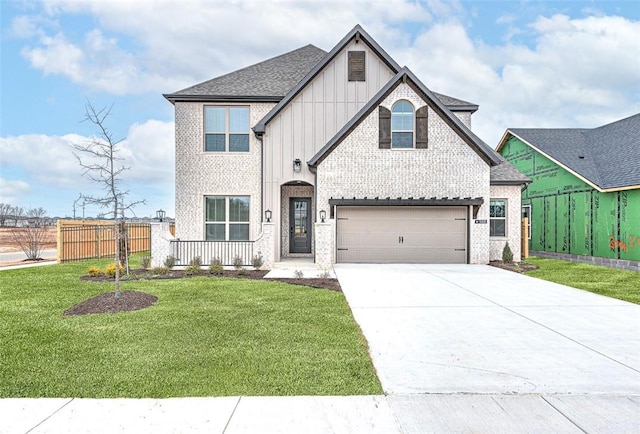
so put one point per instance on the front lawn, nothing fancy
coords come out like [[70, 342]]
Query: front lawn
[[620, 284], [204, 337]]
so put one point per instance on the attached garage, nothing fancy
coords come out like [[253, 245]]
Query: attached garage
[[402, 234]]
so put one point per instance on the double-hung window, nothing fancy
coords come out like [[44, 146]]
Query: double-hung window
[[227, 218], [498, 218], [402, 125], [226, 128]]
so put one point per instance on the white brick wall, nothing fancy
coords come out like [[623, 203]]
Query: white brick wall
[[448, 168], [200, 174], [513, 196]]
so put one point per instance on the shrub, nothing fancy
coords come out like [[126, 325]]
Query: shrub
[[194, 267], [111, 270], [145, 262], [170, 262], [242, 272], [159, 271], [507, 254], [324, 275], [237, 263], [298, 274], [215, 267], [94, 271], [257, 261]]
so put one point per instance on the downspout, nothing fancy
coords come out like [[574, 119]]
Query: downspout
[[313, 170]]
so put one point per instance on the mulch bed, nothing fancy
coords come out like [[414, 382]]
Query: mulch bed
[[518, 267], [135, 300], [108, 303]]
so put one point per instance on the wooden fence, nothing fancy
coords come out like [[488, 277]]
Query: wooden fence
[[82, 239]]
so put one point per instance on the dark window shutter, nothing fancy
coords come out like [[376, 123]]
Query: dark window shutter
[[384, 121], [422, 128], [356, 61]]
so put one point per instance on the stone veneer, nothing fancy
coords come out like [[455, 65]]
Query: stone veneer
[[287, 192], [160, 243], [200, 173], [512, 194], [448, 168]]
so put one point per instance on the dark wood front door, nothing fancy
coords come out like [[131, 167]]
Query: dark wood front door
[[300, 225]]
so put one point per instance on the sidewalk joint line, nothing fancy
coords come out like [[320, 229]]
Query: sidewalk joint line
[[50, 416], [231, 416], [563, 415]]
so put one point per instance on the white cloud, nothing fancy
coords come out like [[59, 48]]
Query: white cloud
[[12, 190]]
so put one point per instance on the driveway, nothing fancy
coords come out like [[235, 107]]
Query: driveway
[[446, 337]]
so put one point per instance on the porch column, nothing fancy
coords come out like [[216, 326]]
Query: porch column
[[160, 243], [265, 245], [325, 244]]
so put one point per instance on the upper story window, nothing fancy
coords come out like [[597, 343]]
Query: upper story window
[[402, 125], [226, 128], [498, 218], [356, 65]]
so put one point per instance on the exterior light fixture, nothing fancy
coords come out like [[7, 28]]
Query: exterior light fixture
[[297, 165], [267, 215], [160, 214], [323, 215]]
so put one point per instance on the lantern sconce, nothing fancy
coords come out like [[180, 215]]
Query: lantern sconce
[[297, 165], [160, 214], [267, 215], [323, 215]]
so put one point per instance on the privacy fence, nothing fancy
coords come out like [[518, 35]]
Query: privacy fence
[[82, 239]]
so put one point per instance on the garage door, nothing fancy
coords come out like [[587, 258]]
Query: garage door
[[402, 234]]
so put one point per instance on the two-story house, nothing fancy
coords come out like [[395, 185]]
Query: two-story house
[[349, 156]]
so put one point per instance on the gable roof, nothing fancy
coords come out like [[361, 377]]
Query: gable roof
[[405, 75], [605, 157], [269, 80]]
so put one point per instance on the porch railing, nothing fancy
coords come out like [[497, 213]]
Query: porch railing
[[225, 251]]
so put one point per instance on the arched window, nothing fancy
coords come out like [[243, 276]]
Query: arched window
[[402, 125]]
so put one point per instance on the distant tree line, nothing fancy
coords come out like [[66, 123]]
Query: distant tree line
[[15, 216]]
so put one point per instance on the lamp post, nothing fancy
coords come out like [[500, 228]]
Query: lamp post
[[160, 214]]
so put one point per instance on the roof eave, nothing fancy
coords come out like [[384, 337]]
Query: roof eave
[[173, 98]]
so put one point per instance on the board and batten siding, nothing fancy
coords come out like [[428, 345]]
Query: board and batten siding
[[313, 117]]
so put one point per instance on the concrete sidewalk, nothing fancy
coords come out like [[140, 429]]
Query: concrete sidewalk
[[431, 413]]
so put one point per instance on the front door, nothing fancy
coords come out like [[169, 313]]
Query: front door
[[300, 225]]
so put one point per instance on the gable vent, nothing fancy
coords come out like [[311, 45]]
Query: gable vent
[[356, 61]]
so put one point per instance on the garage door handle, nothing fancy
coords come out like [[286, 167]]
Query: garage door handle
[[400, 240]]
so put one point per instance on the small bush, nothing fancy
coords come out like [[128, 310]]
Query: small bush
[[257, 261], [145, 262], [298, 274], [324, 275], [237, 263], [94, 271], [170, 262], [159, 271], [507, 254], [111, 270], [242, 272], [194, 267], [215, 267]]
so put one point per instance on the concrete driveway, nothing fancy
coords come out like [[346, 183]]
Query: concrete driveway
[[477, 330]]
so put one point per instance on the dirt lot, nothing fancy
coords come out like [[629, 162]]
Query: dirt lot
[[8, 244]]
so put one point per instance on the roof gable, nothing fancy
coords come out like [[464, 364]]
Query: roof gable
[[605, 157], [405, 75], [359, 34], [269, 80]]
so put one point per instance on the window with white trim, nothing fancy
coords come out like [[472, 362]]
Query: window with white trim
[[226, 128], [526, 213], [498, 217], [227, 218], [402, 124]]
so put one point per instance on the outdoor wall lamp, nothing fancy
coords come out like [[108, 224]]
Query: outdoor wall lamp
[[323, 215], [297, 165], [160, 214], [267, 215]]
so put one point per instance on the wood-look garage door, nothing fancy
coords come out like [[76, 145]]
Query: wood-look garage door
[[405, 234]]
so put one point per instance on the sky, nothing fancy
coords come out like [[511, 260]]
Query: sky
[[527, 64]]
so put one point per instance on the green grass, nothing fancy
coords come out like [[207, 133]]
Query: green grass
[[620, 284], [204, 337]]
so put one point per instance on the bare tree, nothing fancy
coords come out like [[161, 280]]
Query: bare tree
[[32, 235], [17, 214], [5, 213], [100, 163]]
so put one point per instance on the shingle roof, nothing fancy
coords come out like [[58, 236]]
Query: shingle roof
[[505, 174], [268, 80], [606, 156], [482, 149]]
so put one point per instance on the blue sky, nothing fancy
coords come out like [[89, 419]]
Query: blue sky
[[526, 63]]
